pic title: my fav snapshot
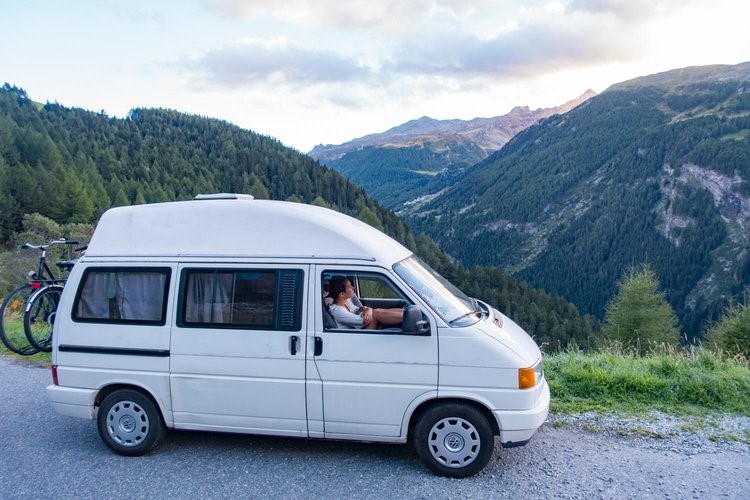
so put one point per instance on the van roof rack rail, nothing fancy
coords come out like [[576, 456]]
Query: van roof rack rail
[[224, 196]]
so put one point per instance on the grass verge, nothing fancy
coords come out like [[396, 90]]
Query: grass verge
[[14, 329], [692, 383], [40, 358]]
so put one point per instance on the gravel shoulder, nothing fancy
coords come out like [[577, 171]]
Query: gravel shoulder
[[46, 455], [687, 435]]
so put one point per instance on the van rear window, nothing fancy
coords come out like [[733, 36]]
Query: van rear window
[[268, 299], [122, 295]]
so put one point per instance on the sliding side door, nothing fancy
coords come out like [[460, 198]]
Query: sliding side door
[[238, 349]]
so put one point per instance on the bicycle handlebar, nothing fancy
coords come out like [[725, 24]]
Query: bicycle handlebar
[[60, 241]]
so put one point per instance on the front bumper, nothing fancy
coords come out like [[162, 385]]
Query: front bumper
[[518, 426]]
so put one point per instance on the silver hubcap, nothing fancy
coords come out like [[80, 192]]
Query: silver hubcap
[[127, 423], [454, 442]]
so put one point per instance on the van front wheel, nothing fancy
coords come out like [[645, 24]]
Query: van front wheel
[[454, 440], [129, 423]]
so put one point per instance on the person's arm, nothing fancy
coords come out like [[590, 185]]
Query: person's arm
[[367, 313], [356, 307], [345, 318], [355, 300]]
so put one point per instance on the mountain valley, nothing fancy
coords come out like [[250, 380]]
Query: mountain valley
[[652, 171], [425, 155]]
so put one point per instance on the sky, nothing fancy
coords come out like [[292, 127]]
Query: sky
[[328, 71]]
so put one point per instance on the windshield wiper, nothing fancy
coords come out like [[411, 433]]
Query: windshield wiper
[[470, 313]]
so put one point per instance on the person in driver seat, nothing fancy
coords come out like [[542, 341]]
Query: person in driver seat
[[347, 315]]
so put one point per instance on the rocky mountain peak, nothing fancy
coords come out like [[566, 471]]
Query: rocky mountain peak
[[489, 134]]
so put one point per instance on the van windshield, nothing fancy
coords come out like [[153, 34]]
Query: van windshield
[[441, 295]]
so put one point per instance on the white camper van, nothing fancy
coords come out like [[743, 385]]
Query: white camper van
[[212, 315]]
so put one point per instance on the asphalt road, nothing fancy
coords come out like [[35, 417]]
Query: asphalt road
[[45, 455]]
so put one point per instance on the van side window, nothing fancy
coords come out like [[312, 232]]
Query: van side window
[[122, 295], [376, 287], [265, 299], [370, 289]]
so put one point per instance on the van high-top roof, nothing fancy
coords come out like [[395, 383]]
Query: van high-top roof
[[240, 227]]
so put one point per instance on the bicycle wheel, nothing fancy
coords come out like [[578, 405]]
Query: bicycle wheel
[[39, 317], [11, 327]]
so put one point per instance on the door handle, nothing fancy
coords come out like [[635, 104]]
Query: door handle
[[293, 344], [318, 346]]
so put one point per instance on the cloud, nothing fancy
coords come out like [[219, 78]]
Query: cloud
[[538, 46], [442, 44], [351, 14], [446, 38], [630, 11], [277, 61], [386, 16], [394, 16]]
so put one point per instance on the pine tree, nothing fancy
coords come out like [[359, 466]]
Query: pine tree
[[320, 202], [259, 191], [732, 332], [639, 316], [368, 216]]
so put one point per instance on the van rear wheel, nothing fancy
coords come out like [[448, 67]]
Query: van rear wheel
[[454, 440], [129, 423]]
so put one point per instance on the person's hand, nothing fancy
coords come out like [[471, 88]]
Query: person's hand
[[367, 314]]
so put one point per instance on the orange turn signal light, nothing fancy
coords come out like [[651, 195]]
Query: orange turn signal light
[[526, 378]]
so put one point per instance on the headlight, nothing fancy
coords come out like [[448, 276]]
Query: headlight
[[529, 377]]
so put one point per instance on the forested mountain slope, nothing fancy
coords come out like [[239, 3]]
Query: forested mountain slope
[[71, 164], [423, 156], [655, 170]]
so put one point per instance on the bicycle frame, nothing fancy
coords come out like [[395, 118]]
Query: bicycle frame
[[44, 276]]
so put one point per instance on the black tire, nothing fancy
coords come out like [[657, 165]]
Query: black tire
[[130, 423], [12, 325], [40, 317], [453, 440]]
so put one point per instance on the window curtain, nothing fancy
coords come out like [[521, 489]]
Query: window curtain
[[140, 295], [209, 298], [95, 296]]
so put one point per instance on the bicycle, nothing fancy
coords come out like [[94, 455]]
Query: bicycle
[[28, 312]]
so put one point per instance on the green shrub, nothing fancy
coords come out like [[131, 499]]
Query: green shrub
[[732, 333], [639, 318], [38, 229]]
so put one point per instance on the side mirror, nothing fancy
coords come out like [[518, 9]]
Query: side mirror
[[414, 322], [423, 328]]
